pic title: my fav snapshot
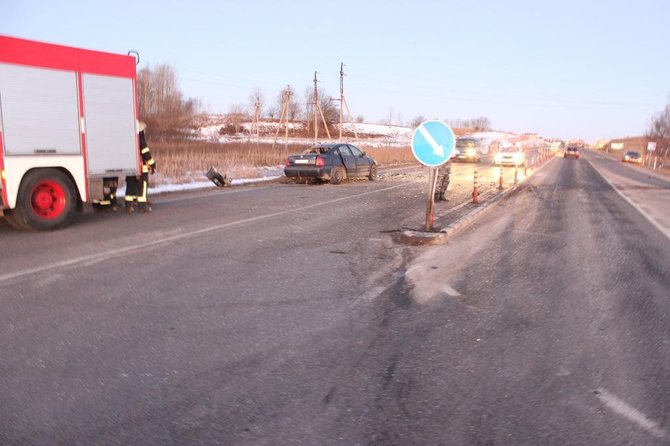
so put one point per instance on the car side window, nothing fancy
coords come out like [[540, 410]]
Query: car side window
[[355, 150], [344, 150]]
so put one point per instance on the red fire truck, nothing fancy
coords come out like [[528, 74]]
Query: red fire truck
[[68, 129]]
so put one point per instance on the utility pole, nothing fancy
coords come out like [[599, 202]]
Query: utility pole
[[289, 93], [314, 105], [317, 108], [341, 96], [286, 100], [257, 119], [343, 104]]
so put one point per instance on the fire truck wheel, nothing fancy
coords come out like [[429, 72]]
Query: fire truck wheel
[[46, 200]]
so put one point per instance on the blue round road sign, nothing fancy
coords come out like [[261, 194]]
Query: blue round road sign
[[433, 143]]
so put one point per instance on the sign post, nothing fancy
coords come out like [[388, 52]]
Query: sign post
[[430, 203], [432, 144]]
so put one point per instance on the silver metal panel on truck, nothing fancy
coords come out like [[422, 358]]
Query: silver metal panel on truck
[[109, 110], [40, 111]]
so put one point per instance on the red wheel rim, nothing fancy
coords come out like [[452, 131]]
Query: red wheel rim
[[48, 199]]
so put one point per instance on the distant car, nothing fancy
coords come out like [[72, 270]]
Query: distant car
[[469, 149], [632, 157], [331, 162], [571, 152], [510, 156]]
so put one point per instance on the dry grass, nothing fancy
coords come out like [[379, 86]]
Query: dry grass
[[391, 155], [181, 162]]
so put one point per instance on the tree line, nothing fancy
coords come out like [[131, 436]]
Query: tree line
[[171, 117]]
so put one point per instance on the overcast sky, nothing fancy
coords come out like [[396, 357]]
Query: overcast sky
[[589, 69]]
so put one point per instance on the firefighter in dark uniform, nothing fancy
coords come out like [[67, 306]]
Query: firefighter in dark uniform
[[443, 178], [136, 187], [108, 202]]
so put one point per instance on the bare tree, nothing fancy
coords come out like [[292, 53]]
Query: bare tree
[[162, 105], [481, 123], [416, 121], [660, 125], [236, 116], [294, 107], [329, 108], [659, 131], [360, 119], [254, 98]]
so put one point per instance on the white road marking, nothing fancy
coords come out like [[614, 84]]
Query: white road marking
[[630, 413], [437, 149], [450, 291], [650, 219], [171, 238]]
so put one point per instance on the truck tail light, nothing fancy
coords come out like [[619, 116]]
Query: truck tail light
[[320, 161], [287, 162]]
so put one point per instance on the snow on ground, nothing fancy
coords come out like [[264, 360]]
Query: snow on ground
[[201, 182], [205, 184], [195, 185], [370, 135]]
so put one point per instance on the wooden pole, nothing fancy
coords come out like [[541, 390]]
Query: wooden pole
[[341, 96], [289, 93], [324, 121], [316, 118], [258, 121], [351, 118], [281, 117]]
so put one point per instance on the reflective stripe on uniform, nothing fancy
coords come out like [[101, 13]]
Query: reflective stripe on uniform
[[143, 198], [145, 150]]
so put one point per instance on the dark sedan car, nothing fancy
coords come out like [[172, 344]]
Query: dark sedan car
[[632, 157], [571, 152], [331, 162]]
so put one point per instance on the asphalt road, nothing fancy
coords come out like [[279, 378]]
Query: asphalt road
[[286, 314]]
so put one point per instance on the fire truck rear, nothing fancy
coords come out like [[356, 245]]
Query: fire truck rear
[[68, 129]]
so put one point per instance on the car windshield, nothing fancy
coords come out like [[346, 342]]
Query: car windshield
[[466, 144]]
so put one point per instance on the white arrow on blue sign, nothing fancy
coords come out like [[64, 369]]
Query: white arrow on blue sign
[[433, 143]]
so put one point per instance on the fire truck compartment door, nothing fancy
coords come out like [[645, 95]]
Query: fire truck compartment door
[[109, 110], [40, 112]]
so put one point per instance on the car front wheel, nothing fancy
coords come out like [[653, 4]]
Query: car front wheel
[[373, 173]]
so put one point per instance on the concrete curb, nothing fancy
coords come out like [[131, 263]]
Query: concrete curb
[[416, 238], [420, 238]]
